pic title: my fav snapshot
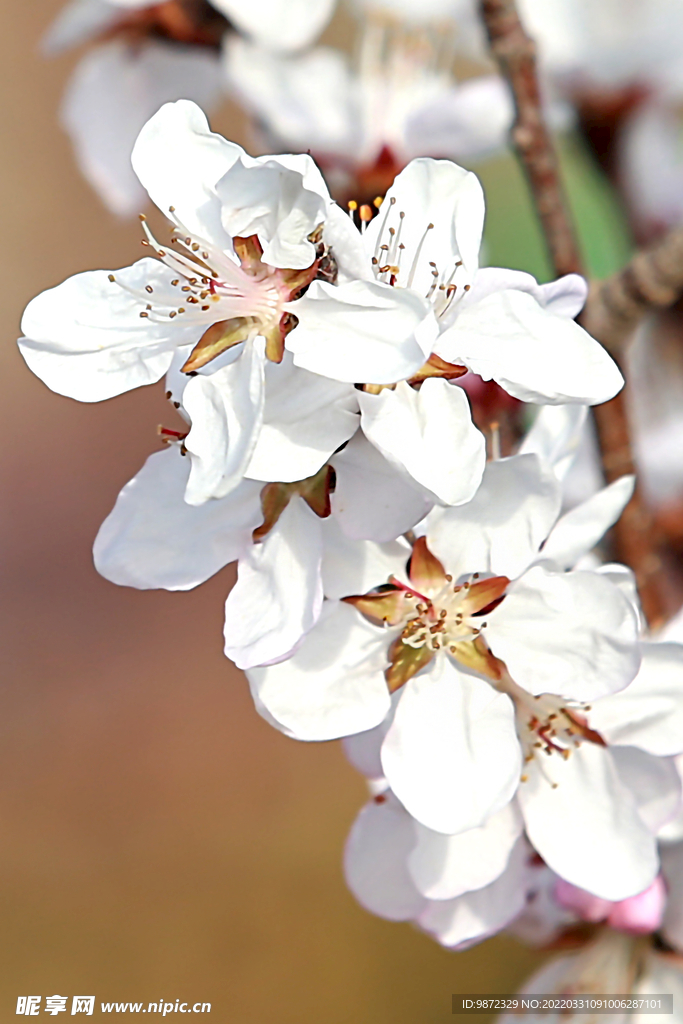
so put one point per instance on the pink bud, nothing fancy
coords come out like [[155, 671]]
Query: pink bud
[[640, 914], [582, 903]]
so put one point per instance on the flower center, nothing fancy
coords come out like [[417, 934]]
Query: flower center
[[432, 614], [393, 266], [442, 621], [547, 724], [237, 298]]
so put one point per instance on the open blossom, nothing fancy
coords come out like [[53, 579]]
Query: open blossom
[[145, 54], [249, 277], [244, 280], [498, 323], [594, 816], [618, 42], [391, 862], [255, 244], [613, 962], [285, 537], [490, 650], [368, 115], [594, 856]]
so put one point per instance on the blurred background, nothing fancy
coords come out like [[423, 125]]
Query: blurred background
[[157, 839]]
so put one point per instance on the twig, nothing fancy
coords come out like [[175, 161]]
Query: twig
[[653, 279], [634, 536], [516, 54], [636, 539]]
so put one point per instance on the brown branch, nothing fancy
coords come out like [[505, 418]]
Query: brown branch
[[636, 540], [653, 279], [634, 536], [516, 55]]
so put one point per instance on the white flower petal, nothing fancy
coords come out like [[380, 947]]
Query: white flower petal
[[580, 529], [375, 859], [649, 712], [428, 436], [452, 755], [476, 915], [79, 21], [268, 198], [444, 867], [363, 749], [354, 567], [278, 595], [361, 332], [277, 90], [441, 194], [179, 160], [564, 297], [86, 339], [650, 159], [153, 538], [555, 436], [588, 829], [278, 24], [305, 419], [343, 237], [226, 410], [502, 528], [573, 634], [654, 783], [333, 685], [491, 280], [535, 355], [624, 580], [176, 381], [467, 121], [115, 88], [371, 500], [304, 165]]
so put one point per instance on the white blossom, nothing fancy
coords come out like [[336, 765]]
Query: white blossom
[[498, 323], [387, 864], [284, 539], [479, 682], [229, 285], [367, 116], [592, 858], [613, 963], [143, 55]]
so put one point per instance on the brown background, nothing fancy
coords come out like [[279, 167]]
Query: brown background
[[157, 839]]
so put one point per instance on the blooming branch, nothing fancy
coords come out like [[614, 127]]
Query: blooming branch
[[634, 537]]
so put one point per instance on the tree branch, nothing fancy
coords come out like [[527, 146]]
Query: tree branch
[[653, 279], [516, 55], [634, 535]]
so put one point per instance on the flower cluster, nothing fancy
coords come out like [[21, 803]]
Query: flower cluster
[[399, 583]]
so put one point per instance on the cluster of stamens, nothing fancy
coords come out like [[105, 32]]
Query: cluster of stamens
[[547, 724], [201, 285], [387, 259], [442, 621]]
